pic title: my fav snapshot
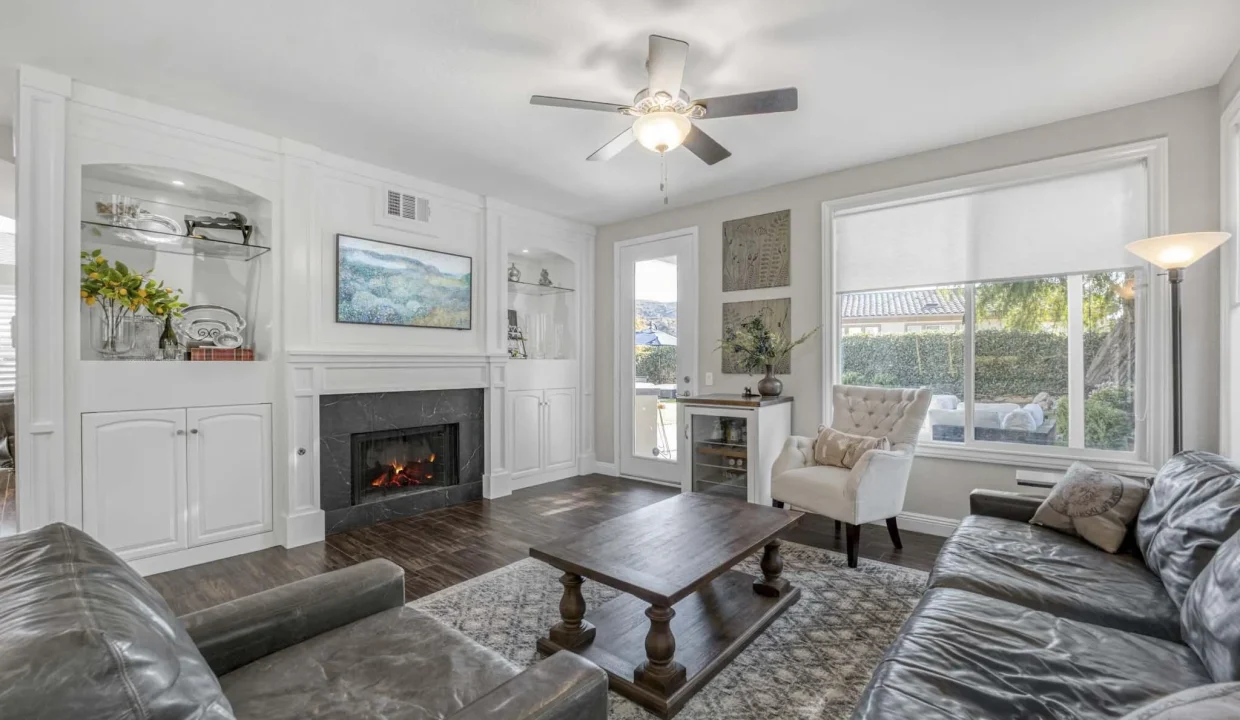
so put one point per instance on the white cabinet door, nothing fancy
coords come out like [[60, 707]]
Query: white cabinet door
[[133, 481], [560, 436], [229, 472], [525, 423]]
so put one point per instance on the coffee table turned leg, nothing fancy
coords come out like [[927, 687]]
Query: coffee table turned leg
[[772, 584], [572, 631], [660, 672]]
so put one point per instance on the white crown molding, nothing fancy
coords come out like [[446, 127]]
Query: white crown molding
[[39, 79]]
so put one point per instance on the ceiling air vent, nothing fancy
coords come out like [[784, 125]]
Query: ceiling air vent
[[408, 207]]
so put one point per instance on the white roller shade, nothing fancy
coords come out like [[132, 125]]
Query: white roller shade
[[1072, 224]]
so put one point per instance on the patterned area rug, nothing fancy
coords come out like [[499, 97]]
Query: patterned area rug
[[812, 662]]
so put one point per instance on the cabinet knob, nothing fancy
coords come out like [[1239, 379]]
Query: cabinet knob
[[301, 451], [180, 432], [194, 431]]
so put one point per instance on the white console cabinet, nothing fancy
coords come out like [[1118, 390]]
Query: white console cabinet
[[161, 481], [544, 440]]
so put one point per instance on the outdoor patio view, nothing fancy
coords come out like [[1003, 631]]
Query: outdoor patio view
[[654, 357], [1025, 335]]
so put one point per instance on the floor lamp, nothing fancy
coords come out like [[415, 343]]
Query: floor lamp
[[1173, 253]]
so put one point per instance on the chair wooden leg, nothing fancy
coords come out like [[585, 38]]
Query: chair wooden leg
[[854, 544], [894, 532], [837, 528]]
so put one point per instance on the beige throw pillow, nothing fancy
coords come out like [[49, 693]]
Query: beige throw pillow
[[1092, 504], [843, 449]]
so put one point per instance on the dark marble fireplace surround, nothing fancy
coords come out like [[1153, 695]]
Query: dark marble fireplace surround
[[340, 416]]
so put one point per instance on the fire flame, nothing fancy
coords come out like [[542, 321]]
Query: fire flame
[[396, 474]]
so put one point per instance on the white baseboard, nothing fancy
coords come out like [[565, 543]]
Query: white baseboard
[[928, 524], [606, 468], [528, 481], [304, 528], [203, 553]]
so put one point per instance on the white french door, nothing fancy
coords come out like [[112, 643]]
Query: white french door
[[656, 350]]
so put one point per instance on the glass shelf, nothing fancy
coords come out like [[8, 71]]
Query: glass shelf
[[105, 234], [525, 288]]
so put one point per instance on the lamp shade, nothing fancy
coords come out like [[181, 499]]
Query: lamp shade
[[661, 131], [1173, 252]]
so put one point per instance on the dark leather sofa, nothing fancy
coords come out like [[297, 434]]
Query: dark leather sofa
[[1020, 621], [83, 636]]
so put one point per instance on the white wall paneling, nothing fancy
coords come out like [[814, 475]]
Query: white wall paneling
[[1229, 205], [45, 491], [64, 126]]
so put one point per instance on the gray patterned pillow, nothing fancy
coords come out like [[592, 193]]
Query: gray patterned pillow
[[1092, 504]]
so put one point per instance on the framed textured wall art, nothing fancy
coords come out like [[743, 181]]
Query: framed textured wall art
[[379, 283], [776, 315], [756, 251]]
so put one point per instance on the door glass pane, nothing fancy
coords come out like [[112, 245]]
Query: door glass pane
[[909, 339], [654, 359], [1020, 362], [1110, 360], [720, 455]]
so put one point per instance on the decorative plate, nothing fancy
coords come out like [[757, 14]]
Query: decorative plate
[[201, 325]]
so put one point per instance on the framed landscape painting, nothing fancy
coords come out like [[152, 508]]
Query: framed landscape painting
[[379, 283]]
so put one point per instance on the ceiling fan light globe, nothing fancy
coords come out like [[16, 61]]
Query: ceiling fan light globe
[[661, 131]]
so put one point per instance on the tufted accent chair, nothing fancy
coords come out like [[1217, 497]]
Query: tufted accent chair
[[871, 490]]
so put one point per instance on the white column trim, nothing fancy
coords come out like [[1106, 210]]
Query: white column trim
[[42, 494]]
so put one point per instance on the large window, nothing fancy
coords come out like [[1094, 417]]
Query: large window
[[1047, 356]]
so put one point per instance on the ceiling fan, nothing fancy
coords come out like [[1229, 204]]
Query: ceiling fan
[[664, 111]]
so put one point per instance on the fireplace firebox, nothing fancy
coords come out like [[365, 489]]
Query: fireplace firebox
[[389, 463]]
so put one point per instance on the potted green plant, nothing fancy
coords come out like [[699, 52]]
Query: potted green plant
[[115, 293], [756, 347]]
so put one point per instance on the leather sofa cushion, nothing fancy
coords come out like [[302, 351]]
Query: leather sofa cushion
[[1193, 507], [1208, 702], [1211, 617], [963, 655], [399, 663], [1043, 569], [83, 636]]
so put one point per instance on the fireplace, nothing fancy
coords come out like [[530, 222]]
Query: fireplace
[[385, 456], [389, 463]]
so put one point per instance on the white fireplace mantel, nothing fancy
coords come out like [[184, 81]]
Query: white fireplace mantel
[[314, 373]]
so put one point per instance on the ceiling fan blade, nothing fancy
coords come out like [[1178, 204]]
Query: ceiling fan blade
[[613, 148], [705, 147], [577, 104], [666, 64], [754, 103]]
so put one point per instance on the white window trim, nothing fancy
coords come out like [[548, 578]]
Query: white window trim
[[1153, 442]]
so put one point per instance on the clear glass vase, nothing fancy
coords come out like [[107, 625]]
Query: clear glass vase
[[146, 332], [111, 330]]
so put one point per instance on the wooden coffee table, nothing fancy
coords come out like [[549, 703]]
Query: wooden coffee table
[[686, 614]]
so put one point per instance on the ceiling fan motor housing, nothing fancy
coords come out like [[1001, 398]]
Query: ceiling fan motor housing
[[646, 102]]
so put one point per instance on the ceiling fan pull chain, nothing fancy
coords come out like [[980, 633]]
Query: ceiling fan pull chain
[[663, 175]]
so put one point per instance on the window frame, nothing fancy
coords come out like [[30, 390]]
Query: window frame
[[1152, 408]]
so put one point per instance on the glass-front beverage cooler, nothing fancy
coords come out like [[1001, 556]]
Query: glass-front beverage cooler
[[720, 445]]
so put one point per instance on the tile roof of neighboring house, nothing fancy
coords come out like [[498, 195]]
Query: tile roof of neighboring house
[[903, 303]]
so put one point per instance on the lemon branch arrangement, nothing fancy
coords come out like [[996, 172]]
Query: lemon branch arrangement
[[120, 292]]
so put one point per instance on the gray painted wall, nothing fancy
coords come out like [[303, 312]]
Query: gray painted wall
[[940, 487]]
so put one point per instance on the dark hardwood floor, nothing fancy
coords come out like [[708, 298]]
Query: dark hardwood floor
[[444, 547]]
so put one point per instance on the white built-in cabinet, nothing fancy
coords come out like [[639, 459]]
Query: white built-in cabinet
[[159, 481], [544, 438]]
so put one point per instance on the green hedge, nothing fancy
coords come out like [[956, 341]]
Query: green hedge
[[1007, 362]]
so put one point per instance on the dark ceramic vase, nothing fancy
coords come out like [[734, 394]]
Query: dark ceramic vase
[[770, 386]]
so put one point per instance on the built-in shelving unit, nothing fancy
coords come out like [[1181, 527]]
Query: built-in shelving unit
[[126, 237]]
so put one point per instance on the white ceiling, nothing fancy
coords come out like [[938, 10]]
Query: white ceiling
[[440, 89]]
